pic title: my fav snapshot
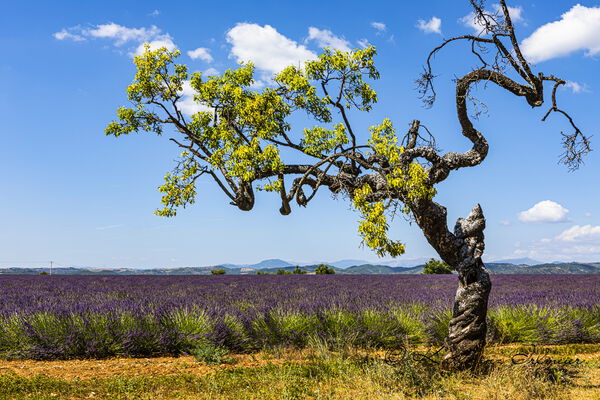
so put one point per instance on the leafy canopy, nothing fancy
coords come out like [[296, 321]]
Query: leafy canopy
[[434, 266], [238, 133], [324, 269]]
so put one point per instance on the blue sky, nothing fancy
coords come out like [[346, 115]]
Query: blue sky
[[73, 195]]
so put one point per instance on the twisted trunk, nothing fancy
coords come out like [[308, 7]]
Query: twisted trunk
[[467, 332], [468, 327], [462, 250]]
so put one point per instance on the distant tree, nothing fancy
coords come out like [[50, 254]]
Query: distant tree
[[43, 273], [262, 273], [218, 272], [241, 136], [299, 271], [324, 269], [283, 272], [436, 267]]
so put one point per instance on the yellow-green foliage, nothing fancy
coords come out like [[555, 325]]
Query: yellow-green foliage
[[349, 66], [384, 141], [319, 140], [412, 179], [373, 227], [179, 189], [238, 132], [301, 94], [409, 180]]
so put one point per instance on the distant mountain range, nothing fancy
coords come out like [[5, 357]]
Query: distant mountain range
[[517, 261], [341, 264], [519, 266]]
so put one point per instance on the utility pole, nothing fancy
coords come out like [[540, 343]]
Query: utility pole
[[51, 262]]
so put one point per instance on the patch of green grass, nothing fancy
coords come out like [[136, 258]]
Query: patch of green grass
[[209, 353]]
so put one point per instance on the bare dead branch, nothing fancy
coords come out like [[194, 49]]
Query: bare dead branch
[[576, 145]]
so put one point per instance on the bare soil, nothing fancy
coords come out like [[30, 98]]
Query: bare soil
[[131, 367]]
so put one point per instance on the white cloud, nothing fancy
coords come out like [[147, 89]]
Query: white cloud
[[259, 83], [268, 49], [64, 34], [154, 13], [187, 105], [578, 29], [505, 223], [434, 25], [550, 250], [156, 44], [210, 72], [470, 20], [380, 26], [587, 214], [579, 233], [103, 228], [578, 243], [544, 211], [516, 13], [363, 43], [120, 35], [577, 87], [326, 38], [201, 53]]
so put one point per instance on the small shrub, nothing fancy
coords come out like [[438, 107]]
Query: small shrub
[[283, 272], [218, 272], [298, 271], [434, 266], [324, 269], [209, 353]]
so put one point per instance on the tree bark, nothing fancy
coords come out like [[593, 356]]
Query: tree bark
[[462, 250], [468, 327]]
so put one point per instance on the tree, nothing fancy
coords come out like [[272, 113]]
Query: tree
[[324, 269], [434, 266], [298, 271], [217, 271], [283, 272], [237, 141]]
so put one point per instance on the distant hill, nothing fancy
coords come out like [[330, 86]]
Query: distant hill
[[405, 262], [346, 263], [412, 270], [517, 261], [562, 268], [273, 265], [369, 269]]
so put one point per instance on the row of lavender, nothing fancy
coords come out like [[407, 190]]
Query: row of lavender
[[48, 317]]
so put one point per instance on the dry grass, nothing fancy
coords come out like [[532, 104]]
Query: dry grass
[[557, 372]]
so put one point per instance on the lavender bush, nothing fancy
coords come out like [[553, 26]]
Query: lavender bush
[[49, 317]]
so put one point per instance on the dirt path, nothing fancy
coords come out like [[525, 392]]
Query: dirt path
[[130, 367]]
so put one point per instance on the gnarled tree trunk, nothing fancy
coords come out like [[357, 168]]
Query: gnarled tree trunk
[[468, 327], [462, 250]]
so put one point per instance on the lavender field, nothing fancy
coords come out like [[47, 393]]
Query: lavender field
[[60, 317]]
